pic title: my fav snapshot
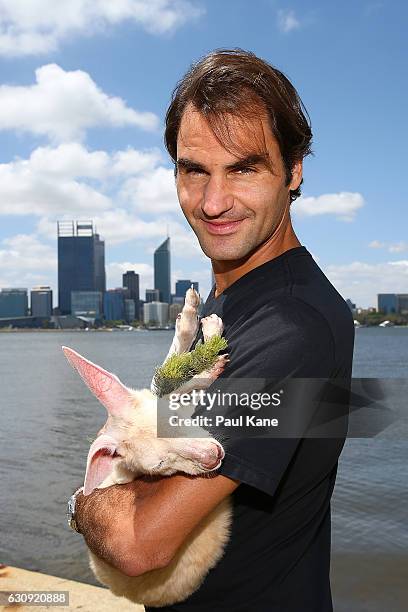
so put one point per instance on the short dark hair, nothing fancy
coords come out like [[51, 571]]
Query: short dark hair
[[237, 82]]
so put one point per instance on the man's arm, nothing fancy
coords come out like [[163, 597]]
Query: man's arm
[[139, 526]]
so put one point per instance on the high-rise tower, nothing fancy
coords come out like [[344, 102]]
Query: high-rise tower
[[162, 271], [130, 280], [81, 261]]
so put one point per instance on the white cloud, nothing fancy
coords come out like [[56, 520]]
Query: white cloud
[[343, 205], [25, 261], [26, 252], [62, 105], [38, 26], [134, 162], [361, 281], [55, 180], [287, 20], [393, 247], [118, 225], [152, 192], [33, 187], [115, 270]]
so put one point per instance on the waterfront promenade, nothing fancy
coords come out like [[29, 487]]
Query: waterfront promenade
[[83, 597]]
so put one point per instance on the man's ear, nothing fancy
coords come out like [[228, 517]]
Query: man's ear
[[297, 175], [104, 385]]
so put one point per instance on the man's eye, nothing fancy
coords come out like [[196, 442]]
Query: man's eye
[[194, 171], [245, 170]]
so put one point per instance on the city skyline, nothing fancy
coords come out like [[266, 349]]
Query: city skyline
[[81, 131], [161, 257]]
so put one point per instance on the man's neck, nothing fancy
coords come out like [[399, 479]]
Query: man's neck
[[228, 272]]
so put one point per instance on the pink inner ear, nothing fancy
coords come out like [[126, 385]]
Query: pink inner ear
[[103, 384], [100, 462]]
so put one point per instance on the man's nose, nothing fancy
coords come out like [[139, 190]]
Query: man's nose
[[217, 196]]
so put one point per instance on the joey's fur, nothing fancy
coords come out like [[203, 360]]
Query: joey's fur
[[127, 447]]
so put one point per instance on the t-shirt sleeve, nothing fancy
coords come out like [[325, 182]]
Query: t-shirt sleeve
[[282, 340]]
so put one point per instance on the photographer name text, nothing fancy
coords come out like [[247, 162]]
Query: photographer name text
[[219, 420]]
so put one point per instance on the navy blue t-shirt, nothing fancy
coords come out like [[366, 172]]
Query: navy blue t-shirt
[[284, 318]]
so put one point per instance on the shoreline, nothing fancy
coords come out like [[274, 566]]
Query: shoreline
[[26, 330]]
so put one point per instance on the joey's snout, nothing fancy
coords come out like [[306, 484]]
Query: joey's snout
[[212, 457], [207, 454]]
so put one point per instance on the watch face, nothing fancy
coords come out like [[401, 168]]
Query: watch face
[[71, 510], [73, 524]]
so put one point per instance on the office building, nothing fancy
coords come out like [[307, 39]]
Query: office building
[[177, 300], [152, 295], [86, 304], [162, 271], [114, 304], [81, 262], [156, 314], [13, 302], [351, 305], [393, 303], [130, 281], [41, 301], [403, 303], [183, 285], [130, 311]]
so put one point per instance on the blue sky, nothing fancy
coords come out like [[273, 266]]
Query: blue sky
[[84, 87]]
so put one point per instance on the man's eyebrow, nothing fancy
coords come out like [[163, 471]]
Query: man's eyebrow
[[250, 160], [254, 159], [188, 164]]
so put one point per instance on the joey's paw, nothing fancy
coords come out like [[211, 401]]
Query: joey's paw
[[211, 326], [192, 298], [187, 321]]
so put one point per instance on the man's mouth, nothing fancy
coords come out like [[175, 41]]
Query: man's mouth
[[222, 227]]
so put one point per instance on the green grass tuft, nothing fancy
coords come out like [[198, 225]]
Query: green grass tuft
[[180, 368]]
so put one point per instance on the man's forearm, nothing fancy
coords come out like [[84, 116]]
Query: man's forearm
[[111, 521]]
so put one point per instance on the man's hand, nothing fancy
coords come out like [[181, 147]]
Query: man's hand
[[139, 526]]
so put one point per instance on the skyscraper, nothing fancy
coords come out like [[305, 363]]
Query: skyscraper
[[41, 301], [81, 261], [130, 280], [114, 304], [162, 271], [152, 295]]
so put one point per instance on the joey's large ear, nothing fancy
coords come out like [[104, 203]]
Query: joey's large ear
[[106, 386], [100, 462]]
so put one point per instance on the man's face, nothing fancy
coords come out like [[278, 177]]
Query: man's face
[[233, 201]]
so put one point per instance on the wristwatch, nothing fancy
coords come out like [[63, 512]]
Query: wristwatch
[[71, 510]]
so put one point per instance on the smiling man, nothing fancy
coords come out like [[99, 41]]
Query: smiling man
[[237, 132], [236, 203]]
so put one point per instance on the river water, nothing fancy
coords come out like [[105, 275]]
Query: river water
[[47, 416]]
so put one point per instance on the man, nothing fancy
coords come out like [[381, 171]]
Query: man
[[237, 132]]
